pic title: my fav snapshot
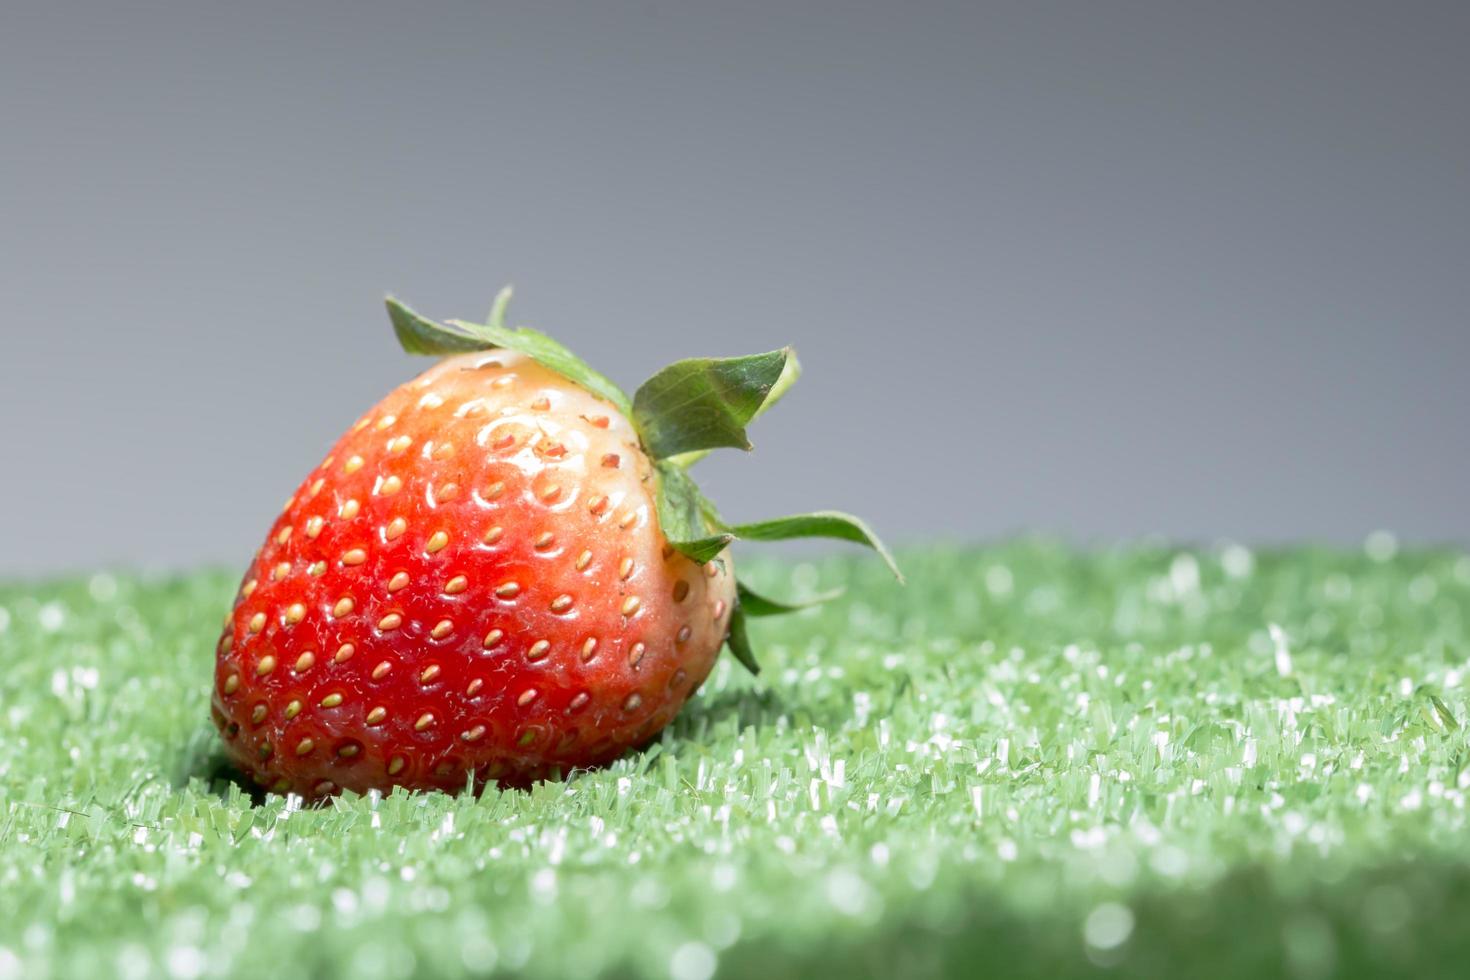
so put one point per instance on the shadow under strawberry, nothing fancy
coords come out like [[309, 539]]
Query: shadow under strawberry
[[204, 760], [749, 708]]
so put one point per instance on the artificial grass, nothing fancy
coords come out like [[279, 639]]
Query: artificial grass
[[1030, 761]]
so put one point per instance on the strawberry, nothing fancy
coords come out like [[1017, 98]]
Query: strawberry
[[501, 572]]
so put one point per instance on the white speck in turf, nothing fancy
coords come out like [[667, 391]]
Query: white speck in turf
[[1237, 561], [999, 581], [1090, 839], [132, 963], [1381, 546], [1310, 946], [1108, 926], [52, 617], [344, 902], [723, 878], [543, 886], [1118, 867], [692, 961], [1169, 861], [185, 962], [478, 954], [1184, 575], [1387, 909], [1161, 745], [557, 848], [446, 828], [1422, 590], [375, 894], [848, 893], [102, 587], [1283, 650], [305, 918]]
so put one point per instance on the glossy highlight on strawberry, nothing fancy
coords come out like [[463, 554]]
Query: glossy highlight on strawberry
[[491, 577]]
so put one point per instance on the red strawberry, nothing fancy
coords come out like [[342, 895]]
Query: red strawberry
[[501, 570]]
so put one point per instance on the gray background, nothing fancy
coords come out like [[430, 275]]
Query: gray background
[[1098, 269]]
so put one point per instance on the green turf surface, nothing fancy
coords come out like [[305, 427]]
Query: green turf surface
[[1030, 761]]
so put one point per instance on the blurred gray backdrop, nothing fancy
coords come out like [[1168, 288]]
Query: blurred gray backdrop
[[1097, 269]]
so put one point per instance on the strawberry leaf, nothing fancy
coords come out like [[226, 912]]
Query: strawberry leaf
[[756, 604], [705, 403], [818, 524], [682, 511], [420, 335], [738, 640]]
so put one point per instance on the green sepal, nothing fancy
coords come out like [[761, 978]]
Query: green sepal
[[738, 640], [498, 308], [420, 335], [789, 375], [756, 604], [683, 516], [705, 403], [702, 550], [818, 524]]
